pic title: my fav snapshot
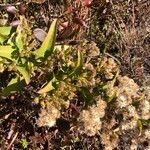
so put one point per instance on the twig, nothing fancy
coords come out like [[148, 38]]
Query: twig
[[5, 5], [15, 136], [113, 58]]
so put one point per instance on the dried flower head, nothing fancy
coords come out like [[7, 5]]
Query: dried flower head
[[147, 134], [129, 124], [127, 91], [93, 49], [109, 67], [145, 109], [109, 139], [131, 112], [48, 116], [128, 86], [123, 101], [90, 119], [134, 145]]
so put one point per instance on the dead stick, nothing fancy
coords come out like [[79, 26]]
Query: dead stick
[[15, 136]]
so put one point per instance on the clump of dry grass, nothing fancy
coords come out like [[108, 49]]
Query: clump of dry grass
[[122, 28]]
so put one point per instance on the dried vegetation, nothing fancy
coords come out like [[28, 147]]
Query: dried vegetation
[[83, 94]]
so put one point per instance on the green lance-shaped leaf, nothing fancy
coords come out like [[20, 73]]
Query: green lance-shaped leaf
[[4, 33], [15, 85], [47, 46], [24, 72], [6, 52], [49, 87], [78, 65]]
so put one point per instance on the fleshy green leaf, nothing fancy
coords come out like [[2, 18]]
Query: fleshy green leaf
[[49, 87], [47, 46], [24, 72], [6, 52], [79, 64], [16, 84]]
